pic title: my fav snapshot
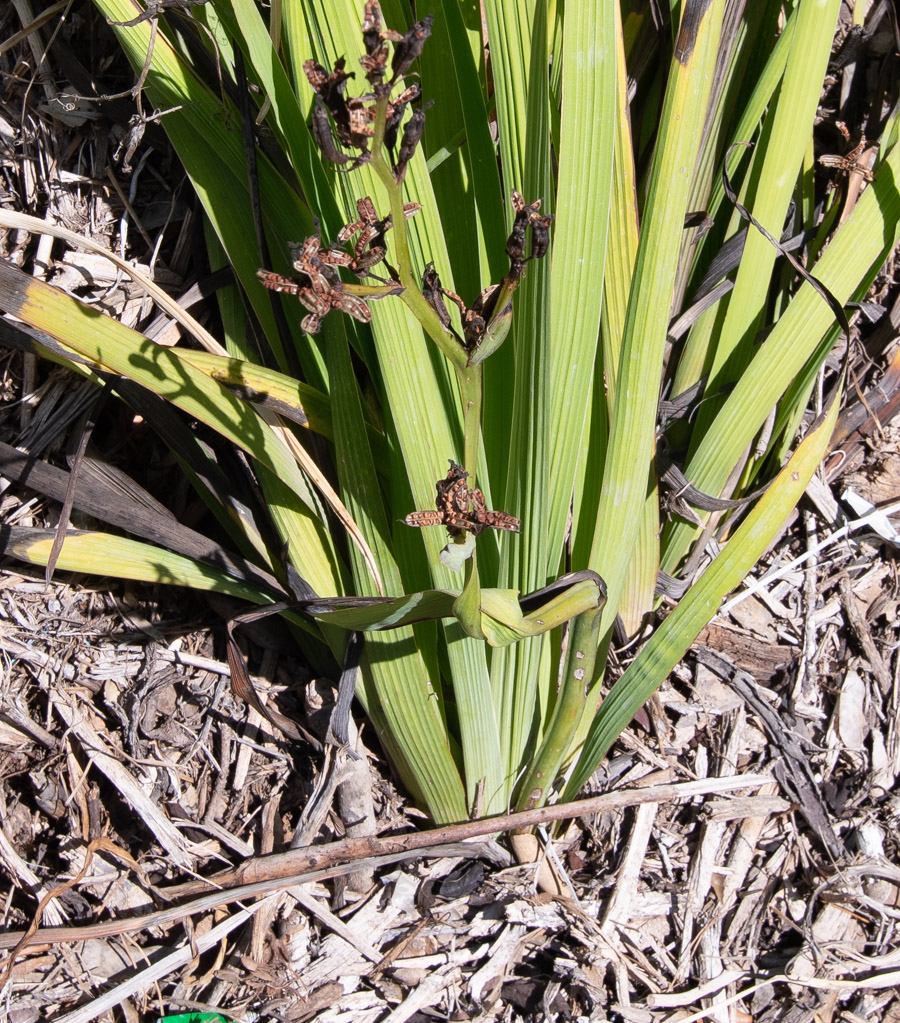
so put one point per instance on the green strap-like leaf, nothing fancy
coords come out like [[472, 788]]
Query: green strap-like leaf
[[94, 553], [668, 644], [855, 253], [587, 134], [632, 435]]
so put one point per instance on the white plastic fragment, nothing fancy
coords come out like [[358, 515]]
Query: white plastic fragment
[[876, 520]]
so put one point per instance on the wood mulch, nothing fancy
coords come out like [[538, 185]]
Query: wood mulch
[[164, 851]]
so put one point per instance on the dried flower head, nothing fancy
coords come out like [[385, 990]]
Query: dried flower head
[[354, 117], [461, 509]]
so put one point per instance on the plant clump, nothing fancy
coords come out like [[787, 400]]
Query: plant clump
[[367, 125], [352, 131]]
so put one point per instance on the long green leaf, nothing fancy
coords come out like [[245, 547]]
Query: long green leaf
[[787, 129], [632, 435], [122, 558], [119, 350], [519, 53], [422, 398], [671, 640], [858, 248], [210, 149], [587, 134], [399, 695]]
